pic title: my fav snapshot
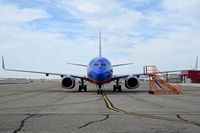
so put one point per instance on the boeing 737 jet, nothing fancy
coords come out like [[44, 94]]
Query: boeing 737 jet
[[99, 72]]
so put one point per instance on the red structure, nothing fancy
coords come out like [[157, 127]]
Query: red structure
[[194, 75]]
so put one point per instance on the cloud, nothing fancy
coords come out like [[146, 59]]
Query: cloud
[[105, 15], [47, 35], [90, 7], [181, 6], [10, 14], [11, 24], [176, 13]]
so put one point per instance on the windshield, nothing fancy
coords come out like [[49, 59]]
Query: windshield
[[101, 64]]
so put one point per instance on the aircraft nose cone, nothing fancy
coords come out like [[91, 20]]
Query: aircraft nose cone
[[100, 70], [100, 76]]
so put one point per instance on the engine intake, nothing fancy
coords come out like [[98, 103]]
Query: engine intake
[[68, 82], [131, 82]]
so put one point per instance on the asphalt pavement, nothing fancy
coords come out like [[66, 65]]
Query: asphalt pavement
[[43, 106]]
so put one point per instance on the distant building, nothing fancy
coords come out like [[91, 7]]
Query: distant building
[[192, 75], [173, 78]]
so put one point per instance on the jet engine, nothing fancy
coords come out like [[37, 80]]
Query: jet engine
[[68, 82], [131, 82]]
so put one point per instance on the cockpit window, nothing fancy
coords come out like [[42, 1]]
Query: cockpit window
[[101, 64], [96, 64]]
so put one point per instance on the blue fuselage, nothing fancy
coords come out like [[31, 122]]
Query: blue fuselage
[[100, 71]]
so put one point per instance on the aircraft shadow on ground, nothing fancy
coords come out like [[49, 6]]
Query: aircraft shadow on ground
[[108, 91]]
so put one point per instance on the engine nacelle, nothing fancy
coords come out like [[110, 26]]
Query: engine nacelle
[[68, 82], [131, 82]]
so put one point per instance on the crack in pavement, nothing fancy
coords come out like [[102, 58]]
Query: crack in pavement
[[113, 108], [107, 117], [179, 116], [23, 122]]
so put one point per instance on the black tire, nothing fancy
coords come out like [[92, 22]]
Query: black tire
[[99, 91], [151, 92], [119, 88], [85, 88], [114, 88], [80, 88]]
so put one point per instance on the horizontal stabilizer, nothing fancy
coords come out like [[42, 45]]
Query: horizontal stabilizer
[[77, 64]]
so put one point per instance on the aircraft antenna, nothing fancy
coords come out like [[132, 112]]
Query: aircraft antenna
[[99, 43]]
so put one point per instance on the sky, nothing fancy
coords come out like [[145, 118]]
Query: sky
[[43, 35]]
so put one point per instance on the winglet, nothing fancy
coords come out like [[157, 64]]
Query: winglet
[[196, 65], [3, 64], [99, 43]]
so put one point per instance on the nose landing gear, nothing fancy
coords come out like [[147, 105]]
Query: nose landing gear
[[99, 91]]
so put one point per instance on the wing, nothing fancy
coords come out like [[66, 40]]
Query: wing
[[46, 73], [153, 70], [174, 71], [117, 77], [116, 65], [80, 77]]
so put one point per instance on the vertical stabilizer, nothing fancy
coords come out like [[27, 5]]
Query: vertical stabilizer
[[196, 65], [100, 43]]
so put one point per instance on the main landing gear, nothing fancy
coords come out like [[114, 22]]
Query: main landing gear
[[117, 86], [82, 86]]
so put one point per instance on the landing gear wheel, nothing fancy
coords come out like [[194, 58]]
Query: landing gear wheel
[[99, 91], [80, 88], [151, 92], [119, 88], [114, 88], [85, 88]]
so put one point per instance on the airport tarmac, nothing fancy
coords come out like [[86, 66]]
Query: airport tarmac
[[37, 106]]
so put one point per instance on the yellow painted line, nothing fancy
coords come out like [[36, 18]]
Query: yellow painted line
[[109, 104], [111, 107]]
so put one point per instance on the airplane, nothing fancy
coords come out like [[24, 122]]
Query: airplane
[[99, 72]]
